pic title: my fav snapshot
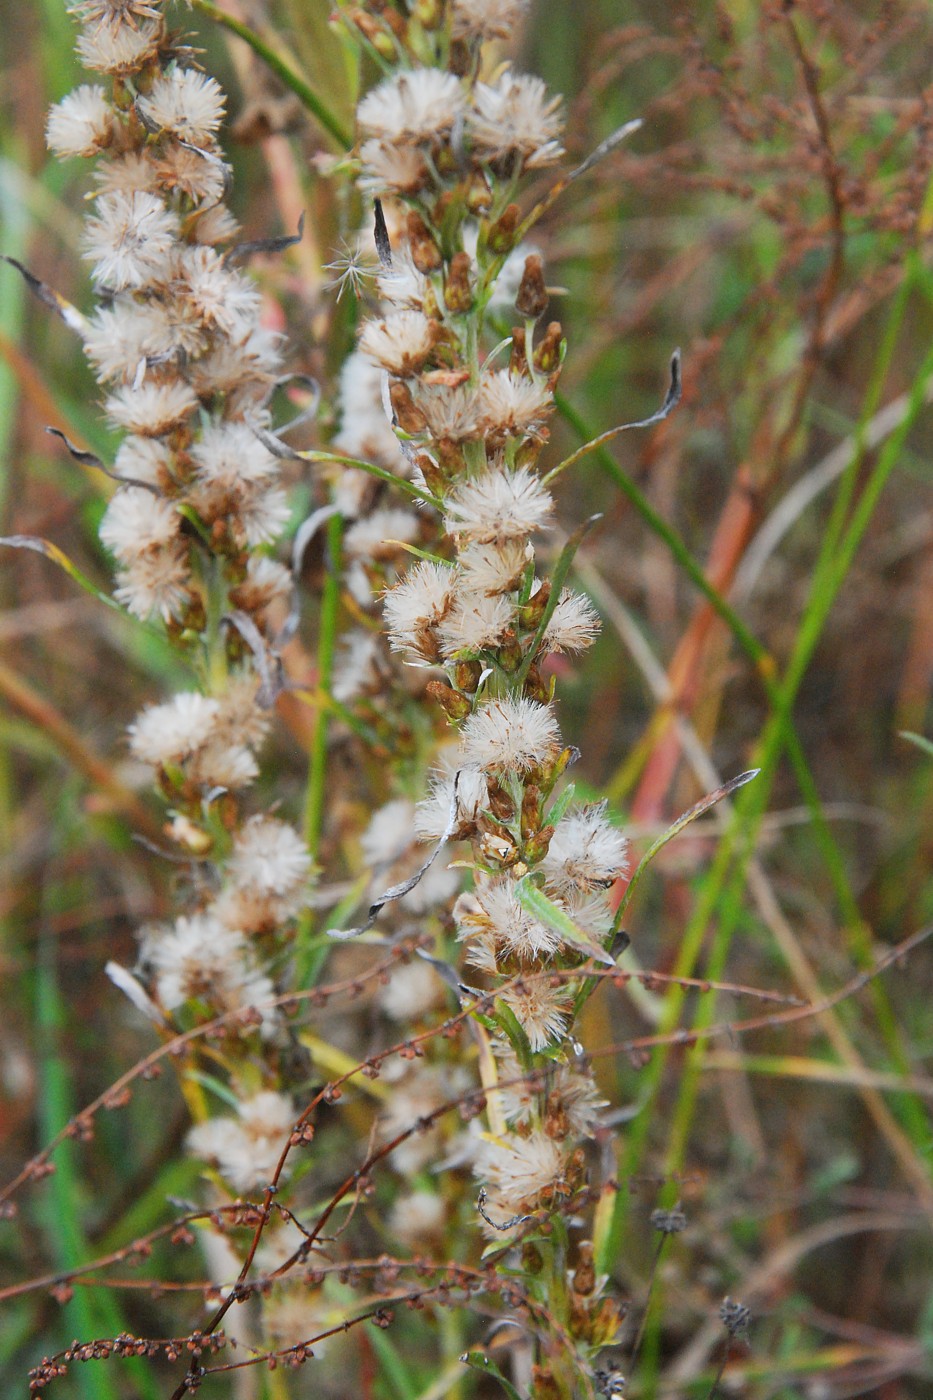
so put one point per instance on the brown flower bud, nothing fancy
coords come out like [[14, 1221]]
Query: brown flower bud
[[536, 847], [425, 253], [454, 705], [532, 296], [478, 194], [548, 353], [536, 688], [458, 293], [500, 802], [531, 811], [466, 676], [501, 236], [530, 615], [584, 1278], [407, 413], [510, 656]]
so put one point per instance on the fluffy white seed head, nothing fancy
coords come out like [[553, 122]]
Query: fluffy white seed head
[[449, 412], [120, 49], [223, 298], [81, 124], [433, 812], [416, 607], [418, 105], [512, 406], [586, 852], [495, 914], [388, 168], [401, 343], [185, 102], [130, 239], [270, 862], [515, 117], [475, 623], [412, 990], [418, 1217], [540, 1010], [157, 584], [365, 431], [378, 535], [151, 409], [246, 1149], [498, 505], [518, 1169], [512, 735], [170, 732], [495, 568], [136, 522], [574, 624]]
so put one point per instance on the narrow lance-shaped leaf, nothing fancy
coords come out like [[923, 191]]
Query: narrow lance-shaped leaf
[[671, 400], [478, 1362], [534, 901], [685, 819], [59, 557]]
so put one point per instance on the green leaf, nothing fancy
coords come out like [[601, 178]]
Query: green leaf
[[922, 743], [697, 810], [478, 1362], [534, 901]]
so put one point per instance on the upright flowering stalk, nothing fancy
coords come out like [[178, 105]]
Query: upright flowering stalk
[[187, 369], [448, 136]]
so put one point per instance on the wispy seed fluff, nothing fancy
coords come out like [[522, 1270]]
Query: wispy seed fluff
[[512, 735], [497, 506]]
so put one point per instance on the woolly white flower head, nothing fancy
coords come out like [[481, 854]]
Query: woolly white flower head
[[120, 49], [573, 625], [222, 297], [519, 1169], [498, 505], [130, 239], [151, 409], [401, 343], [418, 1217], [433, 812], [412, 990], [170, 732], [389, 833], [540, 1010], [416, 607], [377, 535], [495, 915], [515, 735], [515, 117], [81, 124], [511, 406], [247, 1148], [586, 851], [389, 168], [156, 584], [185, 102], [417, 105], [136, 521], [270, 862], [475, 623]]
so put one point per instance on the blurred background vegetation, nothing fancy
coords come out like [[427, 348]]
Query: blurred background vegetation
[[772, 218]]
